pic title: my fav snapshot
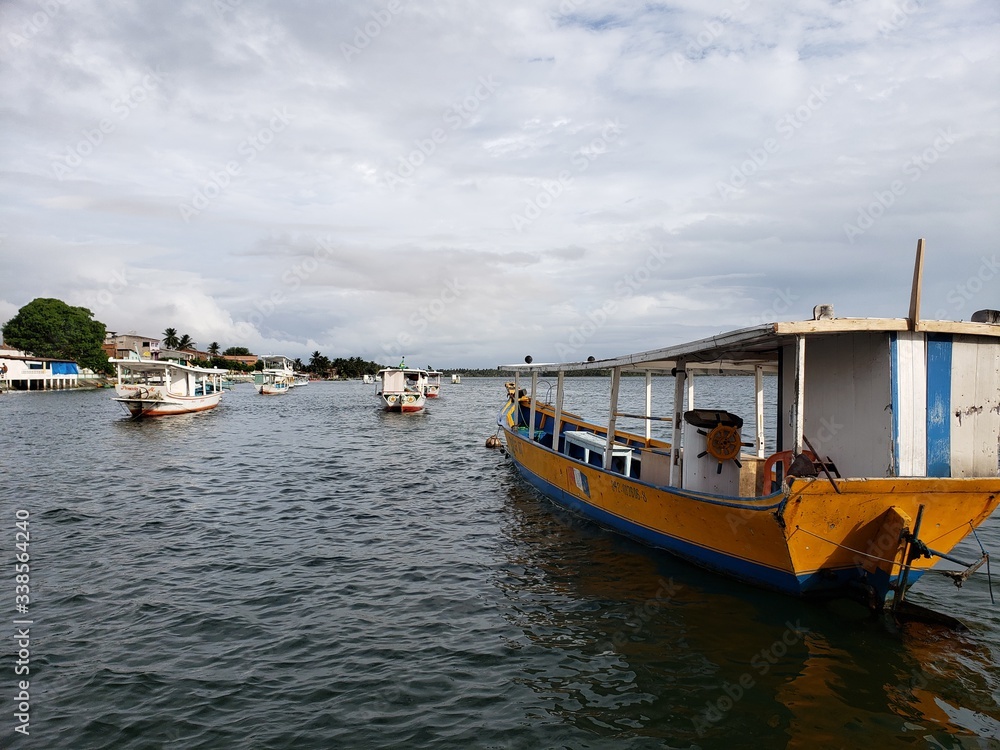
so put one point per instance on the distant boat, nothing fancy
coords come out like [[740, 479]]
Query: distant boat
[[433, 383], [369, 379], [402, 389], [270, 383], [276, 377], [456, 378], [299, 379], [885, 458], [154, 388]]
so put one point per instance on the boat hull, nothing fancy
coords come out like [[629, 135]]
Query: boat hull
[[168, 405], [268, 389], [403, 402], [807, 540]]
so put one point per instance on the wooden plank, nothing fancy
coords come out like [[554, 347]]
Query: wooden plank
[[918, 273], [975, 412], [939, 372], [909, 405]]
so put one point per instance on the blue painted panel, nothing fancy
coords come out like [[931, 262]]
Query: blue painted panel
[[938, 405]]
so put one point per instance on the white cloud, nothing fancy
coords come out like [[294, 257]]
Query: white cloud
[[455, 166]]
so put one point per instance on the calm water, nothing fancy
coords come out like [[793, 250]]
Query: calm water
[[306, 571]]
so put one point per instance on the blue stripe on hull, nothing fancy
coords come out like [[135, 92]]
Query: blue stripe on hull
[[819, 584]]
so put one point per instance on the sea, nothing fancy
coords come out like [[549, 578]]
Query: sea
[[308, 571]]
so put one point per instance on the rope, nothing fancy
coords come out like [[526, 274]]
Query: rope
[[844, 546], [891, 562]]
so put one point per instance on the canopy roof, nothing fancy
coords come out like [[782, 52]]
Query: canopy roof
[[747, 348]]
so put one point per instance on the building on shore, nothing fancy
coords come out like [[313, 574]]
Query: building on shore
[[23, 372], [124, 345]]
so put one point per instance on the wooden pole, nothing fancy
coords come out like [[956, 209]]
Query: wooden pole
[[918, 274]]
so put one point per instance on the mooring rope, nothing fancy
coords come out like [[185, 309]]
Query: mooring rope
[[844, 546]]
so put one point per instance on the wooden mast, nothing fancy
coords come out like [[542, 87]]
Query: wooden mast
[[918, 274]]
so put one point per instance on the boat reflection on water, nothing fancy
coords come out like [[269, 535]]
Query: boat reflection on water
[[628, 643]]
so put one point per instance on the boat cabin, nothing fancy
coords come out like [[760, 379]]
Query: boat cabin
[[856, 397]]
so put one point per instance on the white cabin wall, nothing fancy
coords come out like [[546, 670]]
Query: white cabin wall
[[847, 399], [975, 406], [910, 404]]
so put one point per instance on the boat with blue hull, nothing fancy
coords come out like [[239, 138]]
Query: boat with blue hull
[[883, 452]]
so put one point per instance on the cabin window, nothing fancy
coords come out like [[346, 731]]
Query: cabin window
[[35, 366]]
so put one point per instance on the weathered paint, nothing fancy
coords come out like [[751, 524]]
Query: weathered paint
[[939, 405], [974, 419], [909, 404]]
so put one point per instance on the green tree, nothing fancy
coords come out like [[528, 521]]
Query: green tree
[[237, 351], [170, 338], [185, 342], [51, 328], [213, 348]]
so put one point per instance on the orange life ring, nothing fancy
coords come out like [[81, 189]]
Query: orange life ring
[[786, 458]]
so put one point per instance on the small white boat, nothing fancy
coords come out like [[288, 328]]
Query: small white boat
[[299, 379], [368, 379], [154, 388], [402, 389], [456, 378], [270, 383], [276, 377], [433, 384]]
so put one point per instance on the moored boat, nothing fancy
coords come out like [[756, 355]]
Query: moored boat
[[269, 383], [154, 388], [276, 377], [884, 452], [402, 388], [433, 384]]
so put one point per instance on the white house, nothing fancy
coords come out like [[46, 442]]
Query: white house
[[23, 372]]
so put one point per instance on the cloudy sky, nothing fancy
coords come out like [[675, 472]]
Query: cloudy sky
[[467, 183]]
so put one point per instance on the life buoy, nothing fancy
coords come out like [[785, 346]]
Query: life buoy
[[786, 458]]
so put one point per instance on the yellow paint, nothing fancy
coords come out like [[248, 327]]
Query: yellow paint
[[821, 529]]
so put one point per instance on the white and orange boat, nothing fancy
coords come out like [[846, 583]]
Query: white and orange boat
[[433, 383], [154, 388], [880, 458], [402, 388]]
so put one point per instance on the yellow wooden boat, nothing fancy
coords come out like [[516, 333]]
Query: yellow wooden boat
[[884, 458]]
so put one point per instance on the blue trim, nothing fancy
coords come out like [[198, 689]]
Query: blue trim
[[938, 405]]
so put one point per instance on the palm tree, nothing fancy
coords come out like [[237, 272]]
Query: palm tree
[[170, 338], [185, 342], [214, 348]]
